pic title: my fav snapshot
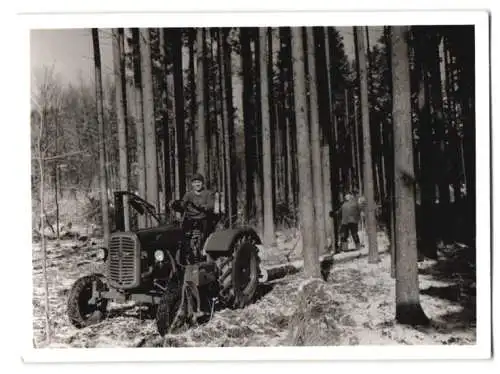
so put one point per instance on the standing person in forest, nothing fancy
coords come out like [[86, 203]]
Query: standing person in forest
[[350, 216]]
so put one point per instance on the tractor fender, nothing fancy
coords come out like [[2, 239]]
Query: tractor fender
[[221, 242]]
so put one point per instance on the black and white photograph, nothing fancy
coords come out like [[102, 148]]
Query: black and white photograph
[[276, 185]]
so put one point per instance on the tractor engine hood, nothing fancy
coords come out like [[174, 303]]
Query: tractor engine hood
[[161, 237]]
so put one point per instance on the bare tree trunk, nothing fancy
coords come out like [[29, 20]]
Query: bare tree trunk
[[225, 71], [180, 141], [306, 208], [228, 77], [284, 63], [332, 138], [327, 206], [353, 140], [164, 163], [139, 123], [102, 149], [327, 156], [149, 119], [257, 171], [56, 175], [358, 152], [247, 93], [289, 158], [219, 116], [266, 140], [201, 132], [371, 223], [119, 69], [48, 329], [316, 145], [408, 309], [193, 108]]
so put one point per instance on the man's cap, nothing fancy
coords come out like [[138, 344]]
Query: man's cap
[[198, 177]]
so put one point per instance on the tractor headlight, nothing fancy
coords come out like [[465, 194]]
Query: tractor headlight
[[159, 255], [102, 254]]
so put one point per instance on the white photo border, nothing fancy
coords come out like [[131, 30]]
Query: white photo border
[[482, 348]]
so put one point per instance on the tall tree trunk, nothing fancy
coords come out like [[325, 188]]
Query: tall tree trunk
[[218, 131], [193, 109], [140, 141], [327, 138], [100, 121], [332, 135], [227, 122], [164, 164], [56, 175], [315, 144], [389, 152], [441, 171], [149, 119], [425, 220], [371, 223], [306, 208], [48, 329], [374, 134], [130, 99], [276, 131], [285, 80], [289, 159], [246, 64], [266, 139], [119, 69], [408, 309], [257, 172], [170, 131], [352, 136], [358, 152], [231, 165], [180, 146], [201, 131]]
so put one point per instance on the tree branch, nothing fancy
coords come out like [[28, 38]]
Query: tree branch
[[51, 158]]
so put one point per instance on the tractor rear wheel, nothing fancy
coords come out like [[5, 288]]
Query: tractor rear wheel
[[239, 274], [82, 310]]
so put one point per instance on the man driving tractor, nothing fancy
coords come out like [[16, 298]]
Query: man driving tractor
[[198, 206]]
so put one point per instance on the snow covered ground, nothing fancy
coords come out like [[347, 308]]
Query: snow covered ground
[[357, 307]]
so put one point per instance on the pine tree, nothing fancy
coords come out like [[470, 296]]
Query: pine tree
[[371, 224], [306, 207], [315, 143], [266, 140], [149, 119], [139, 123], [119, 70], [408, 309], [102, 149], [201, 129]]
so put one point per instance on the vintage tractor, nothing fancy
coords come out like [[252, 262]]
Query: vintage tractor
[[152, 267]]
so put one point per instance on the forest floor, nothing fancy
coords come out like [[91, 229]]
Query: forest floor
[[356, 306]]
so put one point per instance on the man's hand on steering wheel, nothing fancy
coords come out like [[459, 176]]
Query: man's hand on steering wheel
[[197, 207]]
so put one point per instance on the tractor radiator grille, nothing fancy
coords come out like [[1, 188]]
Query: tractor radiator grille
[[123, 261]]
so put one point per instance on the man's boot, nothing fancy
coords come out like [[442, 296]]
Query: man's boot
[[344, 247]]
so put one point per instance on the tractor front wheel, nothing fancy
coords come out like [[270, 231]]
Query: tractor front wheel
[[168, 308], [84, 308], [239, 274]]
